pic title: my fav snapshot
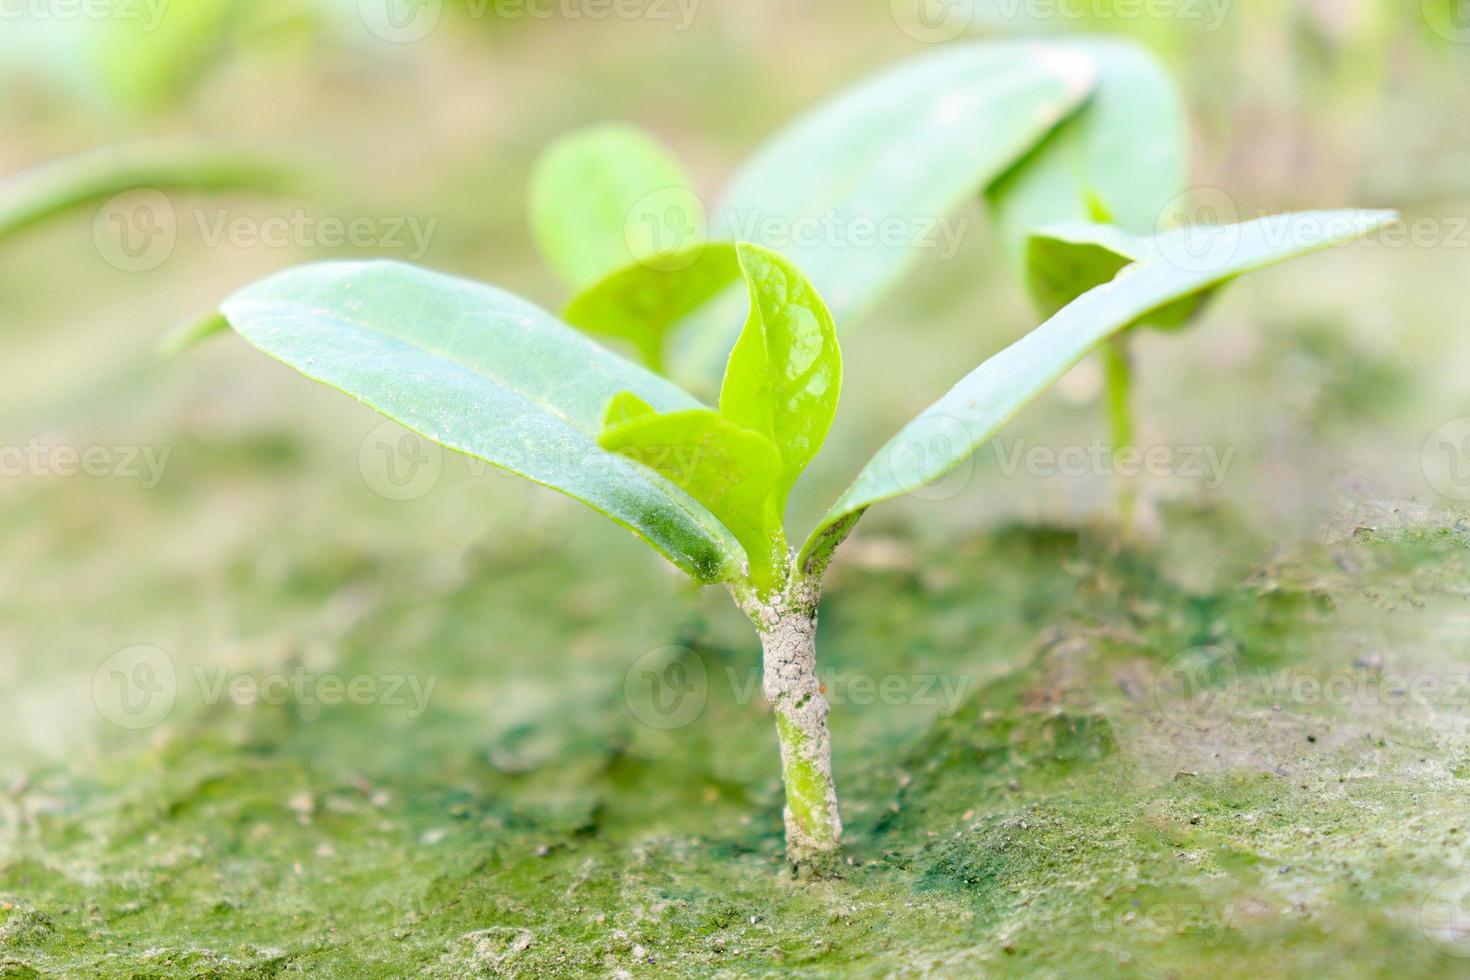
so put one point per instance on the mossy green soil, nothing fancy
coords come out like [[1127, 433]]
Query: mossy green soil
[[1039, 789]]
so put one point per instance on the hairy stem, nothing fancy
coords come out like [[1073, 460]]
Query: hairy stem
[[1118, 396], [787, 624]]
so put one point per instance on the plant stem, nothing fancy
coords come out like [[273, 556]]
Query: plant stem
[[788, 630], [1118, 398]]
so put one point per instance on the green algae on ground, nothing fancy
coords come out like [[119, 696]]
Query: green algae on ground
[[1066, 811]]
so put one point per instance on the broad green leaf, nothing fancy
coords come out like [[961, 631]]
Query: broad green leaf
[[486, 373], [592, 194], [950, 430], [1121, 159], [641, 302], [859, 187], [33, 196], [785, 372], [730, 470]]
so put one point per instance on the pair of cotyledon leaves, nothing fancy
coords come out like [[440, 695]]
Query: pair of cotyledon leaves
[[860, 186], [487, 373]]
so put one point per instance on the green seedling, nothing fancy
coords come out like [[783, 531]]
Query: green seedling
[[486, 373]]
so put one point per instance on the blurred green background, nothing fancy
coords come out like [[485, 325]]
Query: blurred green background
[[525, 819]]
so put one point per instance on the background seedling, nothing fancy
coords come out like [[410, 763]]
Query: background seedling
[[486, 373], [31, 197]]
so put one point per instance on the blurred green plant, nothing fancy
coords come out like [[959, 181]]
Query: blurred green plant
[[486, 373], [33, 196]]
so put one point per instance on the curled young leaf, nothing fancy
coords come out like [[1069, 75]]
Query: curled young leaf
[[785, 372]]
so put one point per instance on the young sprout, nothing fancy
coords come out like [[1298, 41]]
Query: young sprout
[[484, 372]]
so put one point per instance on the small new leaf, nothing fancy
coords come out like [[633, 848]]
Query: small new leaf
[[785, 372], [730, 470]]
